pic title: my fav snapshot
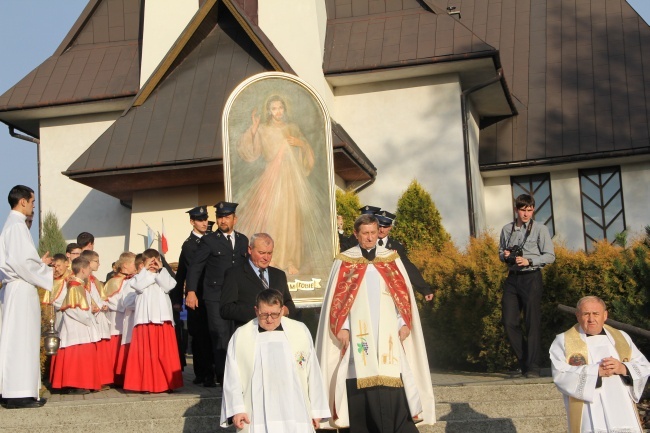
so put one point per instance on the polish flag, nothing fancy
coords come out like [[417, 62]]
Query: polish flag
[[164, 246]]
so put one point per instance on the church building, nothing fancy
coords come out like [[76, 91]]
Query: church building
[[478, 100]]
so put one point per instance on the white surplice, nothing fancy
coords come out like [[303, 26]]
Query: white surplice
[[273, 394], [611, 407], [77, 326], [21, 270]]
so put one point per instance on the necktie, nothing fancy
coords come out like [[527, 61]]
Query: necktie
[[229, 241], [266, 285], [381, 242]]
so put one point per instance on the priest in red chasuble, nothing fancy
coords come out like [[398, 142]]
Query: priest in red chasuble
[[369, 342]]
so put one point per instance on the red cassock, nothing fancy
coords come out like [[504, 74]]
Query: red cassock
[[76, 367], [153, 364]]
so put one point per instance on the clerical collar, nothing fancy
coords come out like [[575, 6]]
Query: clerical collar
[[279, 328], [369, 254], [602, 332]]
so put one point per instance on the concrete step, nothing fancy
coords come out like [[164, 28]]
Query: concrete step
[[119, 411], [500, 425], [502, 391], [503, 407]]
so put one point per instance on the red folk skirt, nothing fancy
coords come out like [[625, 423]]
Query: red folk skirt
[[120, 366], [153, 364], [105, 361], [76, 367]]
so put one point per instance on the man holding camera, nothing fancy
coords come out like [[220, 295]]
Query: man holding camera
[[526, 247]]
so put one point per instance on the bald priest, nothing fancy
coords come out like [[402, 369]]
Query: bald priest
[[600, 372]]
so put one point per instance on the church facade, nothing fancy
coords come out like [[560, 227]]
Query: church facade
[[477, 100]]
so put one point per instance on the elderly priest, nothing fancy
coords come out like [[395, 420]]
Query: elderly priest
[[600, 372]]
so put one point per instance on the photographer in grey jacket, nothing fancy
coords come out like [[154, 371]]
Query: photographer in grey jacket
[[526, 247]]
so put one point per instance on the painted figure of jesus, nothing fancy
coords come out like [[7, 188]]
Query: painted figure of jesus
[[280, 200]]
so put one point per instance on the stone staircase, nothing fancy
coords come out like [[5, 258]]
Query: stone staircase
[[499, 407], [466, 406]]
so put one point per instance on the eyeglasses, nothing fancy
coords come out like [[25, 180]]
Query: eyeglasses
[[264, 316]]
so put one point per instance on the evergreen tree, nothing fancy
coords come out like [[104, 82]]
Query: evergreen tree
[[347, 205], [52, 239], [418, 222]]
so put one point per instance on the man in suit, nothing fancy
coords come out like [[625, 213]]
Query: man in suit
[[386, 219], [217, 252], [244, 282], [197, 318]]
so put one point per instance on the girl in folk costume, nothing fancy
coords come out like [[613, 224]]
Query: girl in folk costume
[[153, 364], [126, 306], [75, 365], [99, 309], [113, 288]]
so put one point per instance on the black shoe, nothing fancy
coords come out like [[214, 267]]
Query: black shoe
[[532, 374], [209, 384], [78, 391], [197, 380], [516, 373], [25, 403]]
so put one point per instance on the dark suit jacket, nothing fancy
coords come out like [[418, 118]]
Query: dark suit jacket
[[413, 272], [240, 290], [215, 255], [188, 251]]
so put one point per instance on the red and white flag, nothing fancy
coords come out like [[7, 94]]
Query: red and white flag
[[163, 240]]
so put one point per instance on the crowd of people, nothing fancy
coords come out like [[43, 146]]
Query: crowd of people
[[367, 368]]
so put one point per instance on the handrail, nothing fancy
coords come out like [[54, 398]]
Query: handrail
[[613, 323]]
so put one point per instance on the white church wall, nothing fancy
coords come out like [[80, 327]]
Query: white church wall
[[635, 178], [567, 208], [302, 43], [170, 205], [78, 207], [164, 20], [411, 129]]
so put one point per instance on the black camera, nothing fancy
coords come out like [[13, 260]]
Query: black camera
[[515, 251]]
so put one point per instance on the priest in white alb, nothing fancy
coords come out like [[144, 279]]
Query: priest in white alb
[[600, 371], [21, 270], [370, 343], [272, 381]]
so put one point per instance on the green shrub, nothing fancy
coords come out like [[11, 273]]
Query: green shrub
[[51, 239], [347, 205], [418, 222], [463, 327]]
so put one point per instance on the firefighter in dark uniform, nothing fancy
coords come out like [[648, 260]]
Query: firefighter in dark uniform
[[217, 252], [386, 219], [197, 318]]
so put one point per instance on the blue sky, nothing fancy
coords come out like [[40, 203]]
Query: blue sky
[[30, 31]]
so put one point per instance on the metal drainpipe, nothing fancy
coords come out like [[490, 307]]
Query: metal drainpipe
[[38, 169], [468, 168]]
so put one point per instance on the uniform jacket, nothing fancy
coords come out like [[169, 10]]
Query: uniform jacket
[[213, 257], [413, 272]]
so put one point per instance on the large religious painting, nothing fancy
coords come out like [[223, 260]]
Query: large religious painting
[[278, 167]]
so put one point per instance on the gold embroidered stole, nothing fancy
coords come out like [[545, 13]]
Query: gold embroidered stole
[[577, 353], [376, 357], [351, 275], [76, 296]]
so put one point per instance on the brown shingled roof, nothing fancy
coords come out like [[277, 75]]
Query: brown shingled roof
[[579, 73], [98, 60], [367, 35], [172, 137]]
